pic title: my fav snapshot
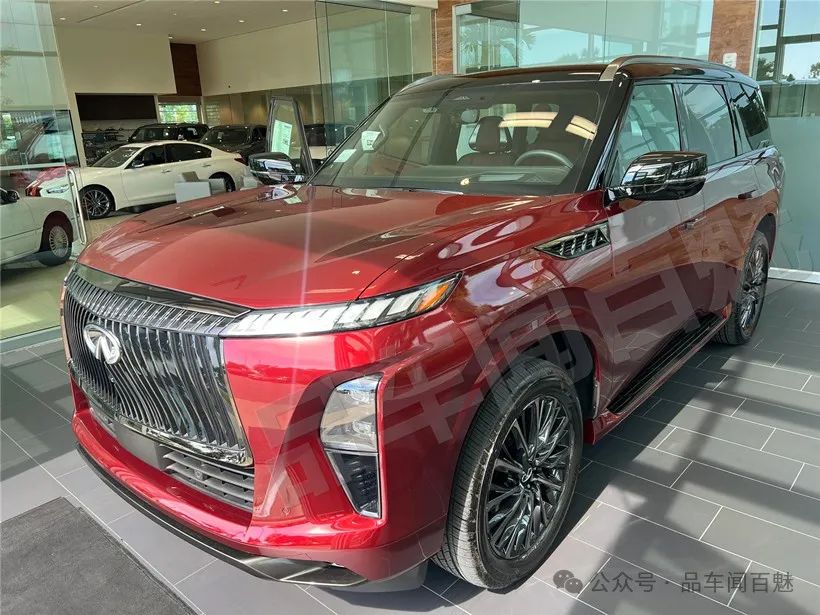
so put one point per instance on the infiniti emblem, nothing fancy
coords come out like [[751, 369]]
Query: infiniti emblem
[[102, 343]]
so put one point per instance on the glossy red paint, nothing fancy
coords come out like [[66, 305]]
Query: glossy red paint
[[320, 245]]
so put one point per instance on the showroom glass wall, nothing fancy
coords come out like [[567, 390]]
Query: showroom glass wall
[[496, 34], [368, 52], [787, 65], [36, 142]]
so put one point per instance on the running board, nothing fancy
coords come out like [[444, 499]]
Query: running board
[[677, 348]]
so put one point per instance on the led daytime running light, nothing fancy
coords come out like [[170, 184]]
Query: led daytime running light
[[358, 314]]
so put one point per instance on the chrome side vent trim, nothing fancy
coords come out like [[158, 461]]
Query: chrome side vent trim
[[579, 243]]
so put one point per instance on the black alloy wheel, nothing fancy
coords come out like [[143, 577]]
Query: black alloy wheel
[[515, 477], [528, 477]]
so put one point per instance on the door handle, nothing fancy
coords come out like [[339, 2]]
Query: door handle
[[206, 164], [747, 195], [691, 224], [165, 171]]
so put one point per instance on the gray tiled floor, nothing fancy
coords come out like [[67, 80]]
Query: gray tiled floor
[[718, 474]]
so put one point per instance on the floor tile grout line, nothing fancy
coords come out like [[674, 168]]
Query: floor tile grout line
[[33, 396], [718, 438], [706, 529], [316, 598], [111, 530], [738, 418], [734, 593], [460, 608], [714, 467], [660, 576], [769, 437], [673, 530], [734, 412], [803, 388], [44, 360], [577, 598], [725, 376], [697, 497], [706, 358], [794, 482], [187, 576], [672, 486], [657, 446], [739, 360], [597, 572]]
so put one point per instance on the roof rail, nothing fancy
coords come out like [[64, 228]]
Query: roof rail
[[622, 61]]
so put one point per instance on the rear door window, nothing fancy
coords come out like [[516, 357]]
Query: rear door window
[[752, 120], [707, 122], [180, 152]]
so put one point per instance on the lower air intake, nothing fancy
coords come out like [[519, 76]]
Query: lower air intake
[[228, 484]]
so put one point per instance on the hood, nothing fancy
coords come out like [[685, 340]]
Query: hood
[[281, 247]]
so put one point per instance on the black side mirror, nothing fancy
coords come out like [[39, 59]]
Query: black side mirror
[[273, 168], [9, 196], [662, 176]]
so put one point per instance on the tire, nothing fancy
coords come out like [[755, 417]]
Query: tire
[[55, 246], [478, 534], [749, 295], [230, 185], [97, 202]]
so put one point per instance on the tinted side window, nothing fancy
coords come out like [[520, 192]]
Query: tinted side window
[[707, 122], [181, 152], [650, 125], [153, 155], [753, 118], [258, 135]]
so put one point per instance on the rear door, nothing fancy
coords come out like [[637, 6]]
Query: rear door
[[731, 193], [653, 253], [190, 157]]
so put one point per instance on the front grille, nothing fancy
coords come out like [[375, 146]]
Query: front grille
[[229, 484], [169, 382]]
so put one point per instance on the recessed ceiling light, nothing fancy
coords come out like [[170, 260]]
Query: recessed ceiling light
[[139, 24], [203, 30], [241, 21], [62, 18], [284, 10], [171, 37], [216, 2], [174, 14]]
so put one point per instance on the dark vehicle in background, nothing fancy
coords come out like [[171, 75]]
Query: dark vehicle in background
[[324, 138], [239, 139], [98, 143], [168, 131]]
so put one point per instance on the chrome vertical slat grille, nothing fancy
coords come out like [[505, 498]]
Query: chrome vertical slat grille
[[169, 383]]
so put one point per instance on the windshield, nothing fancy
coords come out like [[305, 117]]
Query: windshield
[[530, 138], [117, 158], [226, 136]]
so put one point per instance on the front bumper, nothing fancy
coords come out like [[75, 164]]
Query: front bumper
[[272, 568]]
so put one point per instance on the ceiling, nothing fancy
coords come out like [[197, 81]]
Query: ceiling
[[187, 21]]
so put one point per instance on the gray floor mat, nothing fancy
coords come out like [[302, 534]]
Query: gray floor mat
[[57, 560]]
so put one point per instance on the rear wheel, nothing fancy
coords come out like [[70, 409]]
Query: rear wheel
[[96, 201], [230, 186], [515, 477], [55, 245], [749, 296]]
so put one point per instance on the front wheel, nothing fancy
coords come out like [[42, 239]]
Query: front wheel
[[515, 477], [749, 295], [96, 202]]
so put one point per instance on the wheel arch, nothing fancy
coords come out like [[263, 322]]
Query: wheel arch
[[61, 217], [768, 226]]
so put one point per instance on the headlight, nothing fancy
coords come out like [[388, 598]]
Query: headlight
[[58, 189], [359, 314], [349, 435]]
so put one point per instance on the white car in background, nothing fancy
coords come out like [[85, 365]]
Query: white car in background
[[35, 226], [145, 174]]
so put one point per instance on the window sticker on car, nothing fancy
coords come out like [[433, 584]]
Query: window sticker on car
[[369, 138], [282, 132], [345, 154]]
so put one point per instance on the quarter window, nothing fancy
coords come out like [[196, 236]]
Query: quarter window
[[753, 121], [180, 152], [707, 122], [650, 125]]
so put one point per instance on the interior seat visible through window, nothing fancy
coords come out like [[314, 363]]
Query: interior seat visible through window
[[491, 144]]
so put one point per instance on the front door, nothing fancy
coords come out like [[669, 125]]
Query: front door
[[150, 178], [655, 253]]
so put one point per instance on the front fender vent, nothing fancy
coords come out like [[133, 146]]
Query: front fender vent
[[579, 243]]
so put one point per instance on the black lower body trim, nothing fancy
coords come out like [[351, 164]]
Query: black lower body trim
[[276, 569]]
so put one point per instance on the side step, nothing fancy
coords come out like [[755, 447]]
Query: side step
[[672, 352]]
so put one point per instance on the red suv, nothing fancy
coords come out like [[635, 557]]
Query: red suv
[[399, 360]]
